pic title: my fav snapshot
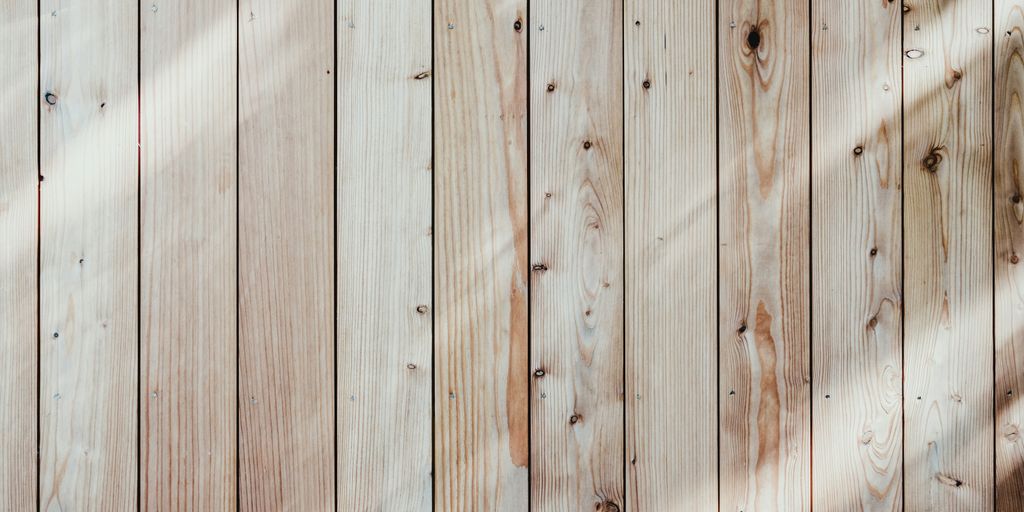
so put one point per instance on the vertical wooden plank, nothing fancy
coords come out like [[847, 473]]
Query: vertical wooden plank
[[1009, 247], [671, 296], [286, 261], [948, 255], [384, 246], [18, 251], [481, 385], [856, 255], [765, 255], [576, 255], [88, 342], [188, 251]]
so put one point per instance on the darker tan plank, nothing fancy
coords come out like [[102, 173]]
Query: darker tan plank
[[188, 252], [481, 428], [765, 255]]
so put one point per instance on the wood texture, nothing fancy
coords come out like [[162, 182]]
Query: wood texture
[[671, 296], [947, 95], [188, 386], [576, 255], [88, 344], [764, 255], [481, 381], [1009, 246], [856, 255], [286, 255], [385, 305], [18, 252]]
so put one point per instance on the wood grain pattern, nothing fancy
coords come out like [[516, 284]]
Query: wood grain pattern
[[384, 245], [88, 410], [856, 237], [188, 386], [671, 297], [576, 255], [764, 255], [481, 386], [1009, 246], [286, 259], [18, 252], [947, 95]]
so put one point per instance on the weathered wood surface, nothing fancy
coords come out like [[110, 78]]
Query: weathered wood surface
[[18, 252], [576, 255], [481, 386], [947, 155], [385, 307], [670, 279], [88, 261], [1009, 248], [286, 232], [188, 245], [856, 255], [764, 183]]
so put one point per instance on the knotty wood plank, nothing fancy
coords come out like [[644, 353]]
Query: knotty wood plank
[[947, 172], [670, 201], [576, 255], [481, 386], [88, 344], [1009, 245], [856, 255], [188, 255], [18, 252], [384, 242], [764, 255], [286, 260]]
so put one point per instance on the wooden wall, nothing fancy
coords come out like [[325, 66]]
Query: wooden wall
[[510, 255]]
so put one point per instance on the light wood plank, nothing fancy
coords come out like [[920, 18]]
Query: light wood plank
[[286, 260], [18, 251], [1009, 249], [385, 305], [88, 410], [189, 246], [576, 255], [947, 173], [671, 296], [764, 256], [481, 384], [856, 255]]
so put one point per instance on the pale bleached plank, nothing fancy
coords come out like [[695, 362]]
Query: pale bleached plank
[[286, 254], [670, 201], [1009, 248], [576, 255], [18, 250], [947, 99], [384, 242], [188, 248], [88, 343], [765, 255], [481, 426], [855, 239]]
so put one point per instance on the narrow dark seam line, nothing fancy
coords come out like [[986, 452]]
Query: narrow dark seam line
[[903, 280], [138, 276], [433, 273], [718, 268], [625, 274], [992, 119], [39, 244], [529, 278], [810, 246], [238, 266], [334, 220]]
